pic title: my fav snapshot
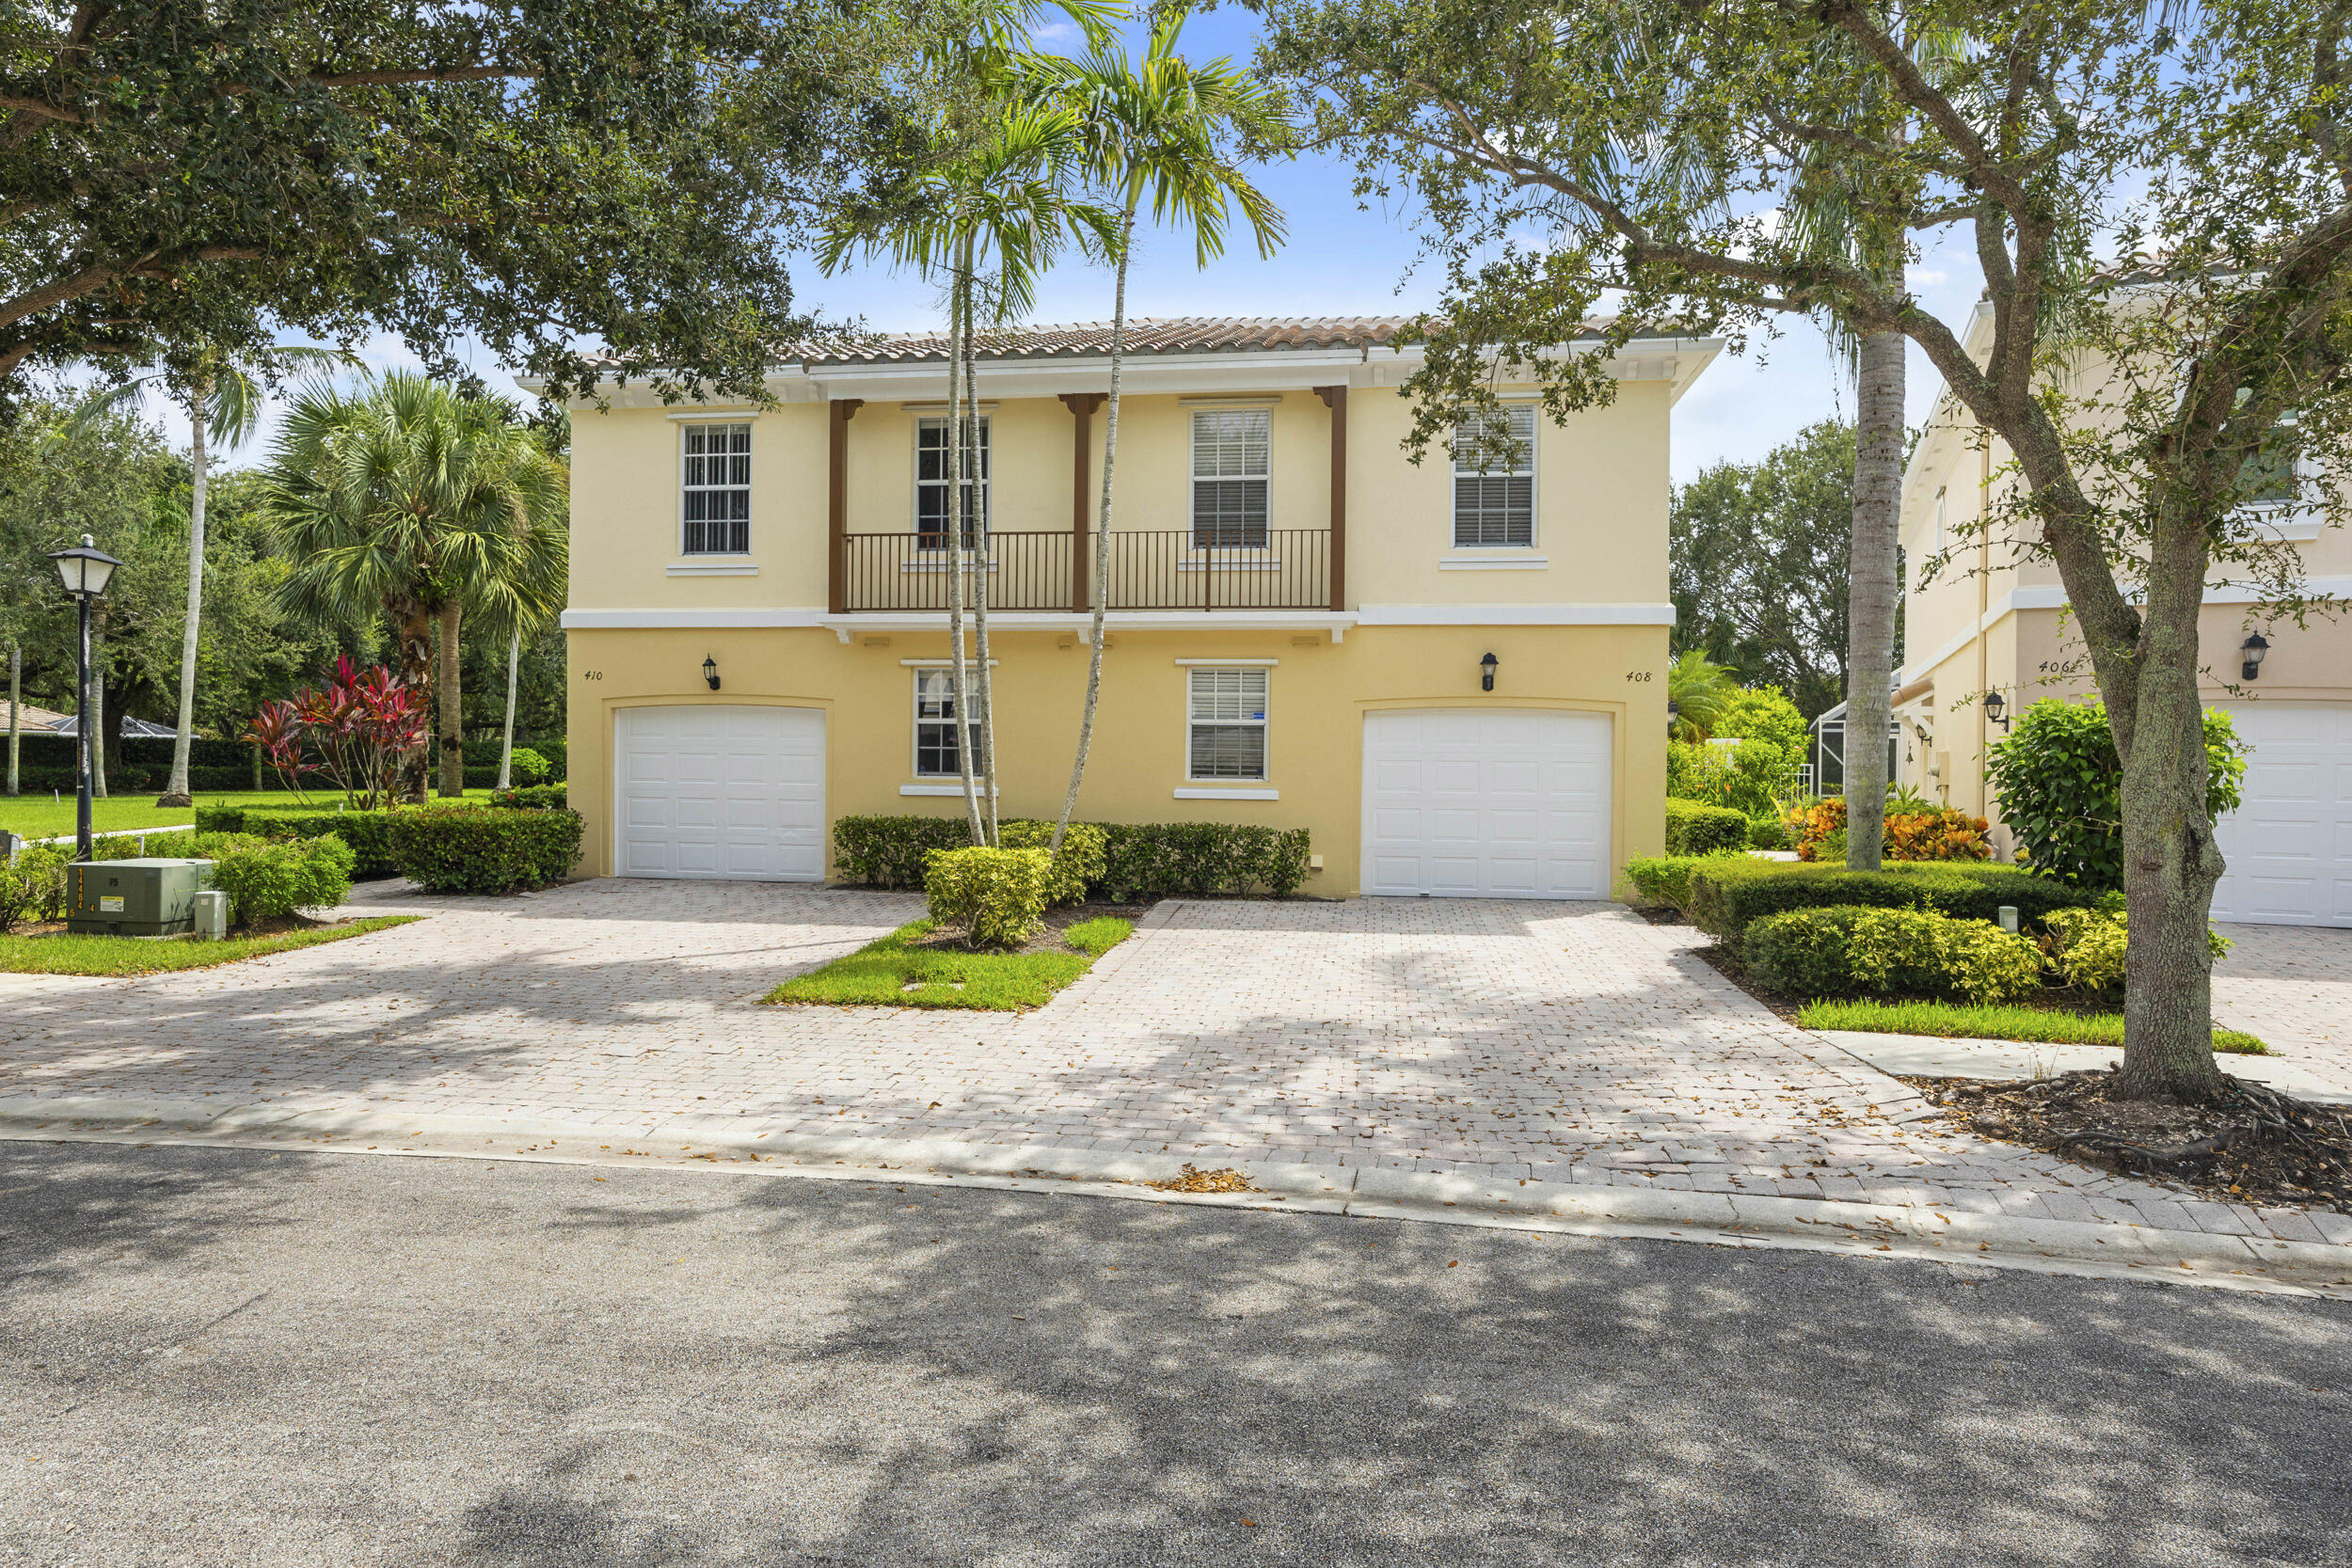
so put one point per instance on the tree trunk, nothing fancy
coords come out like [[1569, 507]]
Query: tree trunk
[[448, 699], [959, 685], [414, 628], [16, 711], [1101, 532], [1877, 482], [95, 719], [984, 683], [506, 740], [176, 788]]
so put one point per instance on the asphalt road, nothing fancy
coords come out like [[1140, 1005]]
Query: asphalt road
[[232, 1357]]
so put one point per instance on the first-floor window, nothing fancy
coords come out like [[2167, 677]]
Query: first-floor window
[[935, 726], [1226, 724]]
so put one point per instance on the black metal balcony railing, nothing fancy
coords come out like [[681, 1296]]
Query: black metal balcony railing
[[1160, 570]]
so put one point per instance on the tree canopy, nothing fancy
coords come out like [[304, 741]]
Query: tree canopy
[[539, 175]]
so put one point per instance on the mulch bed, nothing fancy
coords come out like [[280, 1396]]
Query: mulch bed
[[1049, 936], [2253, 1145]]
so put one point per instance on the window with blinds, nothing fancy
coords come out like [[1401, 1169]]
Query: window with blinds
[[1494, 477], [716, 484], [1230, 448], [1226, 737], [930, 480]]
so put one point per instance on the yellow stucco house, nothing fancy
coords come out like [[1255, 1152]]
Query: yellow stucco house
[[1993, 622], [1299, 623]]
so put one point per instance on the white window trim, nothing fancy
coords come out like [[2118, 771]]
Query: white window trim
[[914, 496], [709, 566], [1184, 793], [1266, 724], [1233, 555], [916, 669], [1469, 558], [1225, 664], [1516, 563], [677, 546]]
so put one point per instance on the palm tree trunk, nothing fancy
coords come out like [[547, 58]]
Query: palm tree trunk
[[176, 788], [96, 717], [506, 740], [959, 304], [1871, 605], [16, 710], [985, 712], [1102, 533], [415, 654], [449, 698]]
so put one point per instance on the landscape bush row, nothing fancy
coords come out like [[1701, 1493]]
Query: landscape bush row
[[1199, 859], [448, 849]]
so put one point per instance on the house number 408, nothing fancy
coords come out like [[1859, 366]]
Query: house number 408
[[1637, 675]]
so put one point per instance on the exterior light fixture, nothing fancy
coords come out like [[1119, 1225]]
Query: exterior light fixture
[[85, 570], [1487, 673], [711, 672], [1674, 713], [1996, 709], [2254, 648]]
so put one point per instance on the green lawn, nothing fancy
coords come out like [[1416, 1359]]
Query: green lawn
[[879, 973], [58, 953], [39, 817], [2039, 1026]]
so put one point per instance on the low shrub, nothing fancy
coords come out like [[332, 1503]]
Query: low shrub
[[457, 849], [2060, 786], [888, 851], [1696, 830], [32, 885], [1766, 832], [547, 797], [268, 880], [1915, 831], [1662, 878], [1890, 952], [996, 898], [1729, 893], [526, 767], [1138, 860], [1083, 848], [2086, 948]]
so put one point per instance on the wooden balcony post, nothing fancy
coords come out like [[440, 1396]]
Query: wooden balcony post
[[1083, 405], [1335, 398], [837, 503]]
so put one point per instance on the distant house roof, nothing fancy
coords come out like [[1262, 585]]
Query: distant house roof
[[36, 718], [40, 719]]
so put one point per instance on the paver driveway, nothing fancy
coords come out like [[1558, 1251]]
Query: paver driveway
[[1561, 1041]]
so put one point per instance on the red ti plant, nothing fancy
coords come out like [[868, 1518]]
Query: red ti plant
[[359, 726], [277, 733]]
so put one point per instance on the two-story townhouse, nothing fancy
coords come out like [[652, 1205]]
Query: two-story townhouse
[[1452, 674], [1994, 620]]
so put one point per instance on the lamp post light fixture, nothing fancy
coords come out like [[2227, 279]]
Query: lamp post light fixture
[[1674, 713], [85, 570], [1487, 673], [711, 672], [1996, 709], [2254, 649]]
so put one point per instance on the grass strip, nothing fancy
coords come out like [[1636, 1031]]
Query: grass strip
[[64, 952], [1959, 1021], [894, 973]]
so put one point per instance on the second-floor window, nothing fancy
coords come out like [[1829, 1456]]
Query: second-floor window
[[930, 480], [2270, 477], [716, 486], [1229, 447], [1494, 477]]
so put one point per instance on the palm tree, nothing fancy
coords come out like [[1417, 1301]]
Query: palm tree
[[1158, 131], [1696, 689], [408, 496], [222, 400]]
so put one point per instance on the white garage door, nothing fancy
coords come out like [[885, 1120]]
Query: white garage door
[[2290, 844], [736, 793], [1486, 803]]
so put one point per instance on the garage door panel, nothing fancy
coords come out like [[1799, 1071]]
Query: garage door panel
[[1508, 803], [722, 792], [2289, 844]]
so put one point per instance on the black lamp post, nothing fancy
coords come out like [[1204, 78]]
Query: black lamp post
[[86, 569], [2253, 650]]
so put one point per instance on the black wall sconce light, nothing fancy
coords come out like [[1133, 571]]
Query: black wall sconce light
[[2254, 649], [711, 672], [1487, 673], [1996, 708]]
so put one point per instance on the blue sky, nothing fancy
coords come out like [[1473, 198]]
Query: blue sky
[[1343, 260]]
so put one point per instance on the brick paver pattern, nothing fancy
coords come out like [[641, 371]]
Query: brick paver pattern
[[1561, 1042], [2290, 986]]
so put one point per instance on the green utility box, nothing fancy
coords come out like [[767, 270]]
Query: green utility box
[[134, 899]]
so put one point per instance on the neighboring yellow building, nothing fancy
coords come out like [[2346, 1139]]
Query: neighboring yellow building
[[1297, 617], [1994, 622]]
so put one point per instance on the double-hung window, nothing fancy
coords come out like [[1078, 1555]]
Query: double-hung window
[[716, 486], [931, 481], [935, 726], [2270, 477], [1226, 724], [1494, 477], [1230, 450]]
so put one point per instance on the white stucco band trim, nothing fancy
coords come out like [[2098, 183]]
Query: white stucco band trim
[[1516, 615], [1338, 624]]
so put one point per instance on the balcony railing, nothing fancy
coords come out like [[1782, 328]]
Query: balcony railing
[[1291, 569]]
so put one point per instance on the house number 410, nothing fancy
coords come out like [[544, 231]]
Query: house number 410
[[592, 674]]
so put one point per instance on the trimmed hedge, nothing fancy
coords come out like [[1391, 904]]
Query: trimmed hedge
[[1846, 951], [549, 797], [996, 898], [1138, 860], [268, 880], [1079, 866], [1696, 830], [459, 850], [1729, 895], [366, 831], [1664, 879]]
